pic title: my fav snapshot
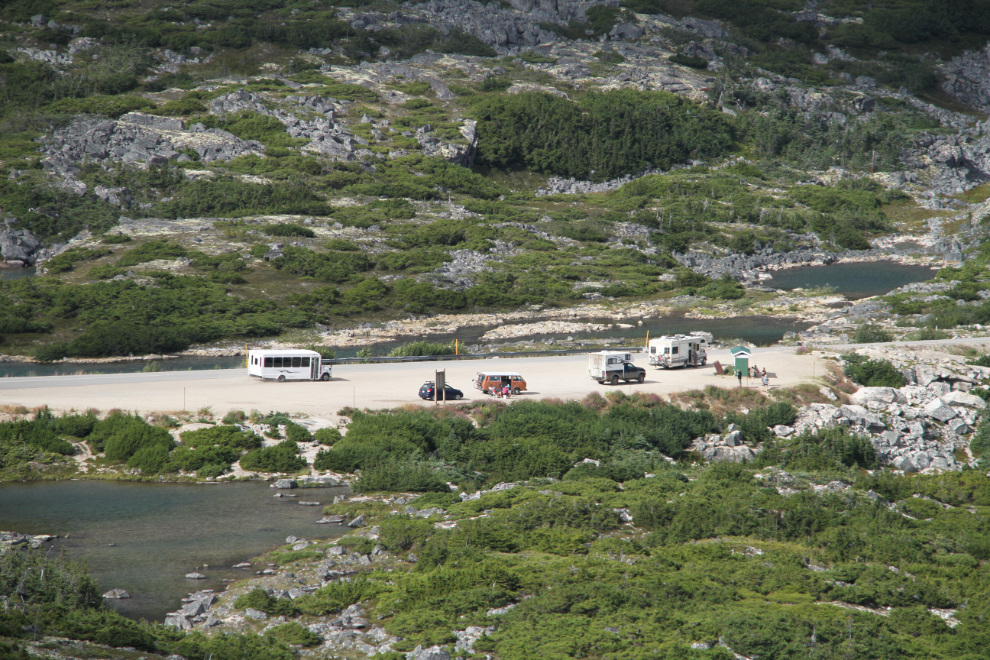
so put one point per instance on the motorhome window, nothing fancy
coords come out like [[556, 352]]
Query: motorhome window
[[653, 349], [305, 362], [666, 350], [268, 362], [673, 351]]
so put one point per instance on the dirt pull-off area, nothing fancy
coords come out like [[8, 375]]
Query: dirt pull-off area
[[373, 385]]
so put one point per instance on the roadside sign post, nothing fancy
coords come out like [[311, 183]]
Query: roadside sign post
[[440, 382]]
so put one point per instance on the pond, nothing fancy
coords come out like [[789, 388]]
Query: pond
[[7, 274], [853, 280], [161, 532]]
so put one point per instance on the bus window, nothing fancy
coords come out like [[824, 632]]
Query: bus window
[[296, 361], [305, 362], [268, 362], [278, 363]]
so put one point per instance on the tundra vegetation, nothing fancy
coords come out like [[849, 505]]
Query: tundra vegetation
[[591, 133], [617, 540], [808, 550]]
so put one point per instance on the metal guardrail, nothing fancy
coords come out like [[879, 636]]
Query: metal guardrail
[[479, 356]]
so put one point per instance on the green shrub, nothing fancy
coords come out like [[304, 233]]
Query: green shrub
[[149, 459], [38, 433], [186, 106], [283, 457], [110, 106], [557, 136], [223, 435], [421, 348], [288, 230], [155, 249], [868, 333], [120, 436], [872, 373], [395, 478], [294, 633], [234, 417], [688, 61], [327, 436], [298, 433], [78, 426], [258, 599]]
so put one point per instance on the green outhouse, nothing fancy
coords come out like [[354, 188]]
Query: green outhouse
[[740, 356]]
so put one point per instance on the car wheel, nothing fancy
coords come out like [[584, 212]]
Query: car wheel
[[615, 380], [516, 391], [641, 378], [325, 377], [458, 397], [281, 378]]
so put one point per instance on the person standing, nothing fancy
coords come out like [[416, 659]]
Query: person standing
[[766, 382], [739, 376]]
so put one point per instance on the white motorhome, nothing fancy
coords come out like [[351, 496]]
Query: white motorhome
[[613, 366], [678, 351], [288, 364]]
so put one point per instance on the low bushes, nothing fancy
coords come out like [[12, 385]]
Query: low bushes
[[421, 348], [283, 457], [872, 373], [557, 136], [120, 436]]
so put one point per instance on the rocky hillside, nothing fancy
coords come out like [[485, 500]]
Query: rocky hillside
[[209, 171]]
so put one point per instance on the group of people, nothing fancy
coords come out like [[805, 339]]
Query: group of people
[[755, 372], [501, 392]]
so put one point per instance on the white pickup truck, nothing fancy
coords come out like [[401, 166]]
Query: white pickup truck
[[613, 366]]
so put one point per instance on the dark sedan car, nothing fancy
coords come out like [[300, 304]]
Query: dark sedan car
[[428, 391]]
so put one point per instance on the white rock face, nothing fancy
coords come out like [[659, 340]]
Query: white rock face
[[879, 394]]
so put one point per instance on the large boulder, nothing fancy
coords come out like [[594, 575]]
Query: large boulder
[[940, 410], [178, 622], [432, 653], [878, 394], [964, 400], [860, 416], [733, 439], [904, 463]]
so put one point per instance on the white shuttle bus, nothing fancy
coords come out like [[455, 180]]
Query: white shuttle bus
[[288, 364]]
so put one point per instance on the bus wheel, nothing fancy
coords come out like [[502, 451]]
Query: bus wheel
[[325, 377], [281, 378]]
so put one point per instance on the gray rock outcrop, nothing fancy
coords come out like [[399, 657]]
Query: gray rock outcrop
[[19, 247], [967, 78]]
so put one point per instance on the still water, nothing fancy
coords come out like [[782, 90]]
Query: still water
[[160, 532], [7, 274], [855, 280]]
